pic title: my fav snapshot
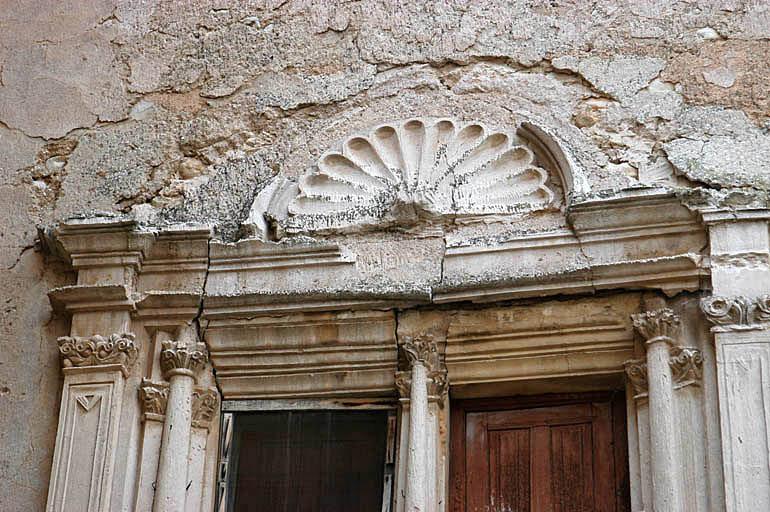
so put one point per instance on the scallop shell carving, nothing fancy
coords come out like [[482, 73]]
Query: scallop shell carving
[[416, 171]]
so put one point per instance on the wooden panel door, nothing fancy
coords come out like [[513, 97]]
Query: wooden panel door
[[563, 456]]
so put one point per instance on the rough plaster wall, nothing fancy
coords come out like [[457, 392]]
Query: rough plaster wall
[[183, 109]]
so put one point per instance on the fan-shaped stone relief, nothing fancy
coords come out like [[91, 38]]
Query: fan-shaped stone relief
[[415, 171]]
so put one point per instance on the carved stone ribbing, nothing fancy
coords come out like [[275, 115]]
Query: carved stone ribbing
[[204, 407], [181, 358], [659, 325], [636, 370], [419, 169], [154, 397], [686, 365], [736, 311], [97, 350]]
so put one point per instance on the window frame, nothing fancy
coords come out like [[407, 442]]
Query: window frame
[[228, 450]]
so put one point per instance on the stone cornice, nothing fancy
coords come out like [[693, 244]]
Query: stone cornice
[[179, 358], [660, 325], [736, 313], [94, 351]]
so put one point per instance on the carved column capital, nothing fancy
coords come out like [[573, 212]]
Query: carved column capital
[[636, 370], [178, 358], [686, 366], [154, 398], [204, 407], [660, 325], [96, 350], [736, 312], [438, 384], [421, 349]]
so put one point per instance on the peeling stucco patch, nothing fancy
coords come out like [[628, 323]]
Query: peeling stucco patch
[[619, 77]]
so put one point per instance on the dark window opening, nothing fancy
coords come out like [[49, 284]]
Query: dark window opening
[[309, 461]]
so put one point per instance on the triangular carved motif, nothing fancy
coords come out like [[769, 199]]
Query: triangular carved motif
[[87, 402]]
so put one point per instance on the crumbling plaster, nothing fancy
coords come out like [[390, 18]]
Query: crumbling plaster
[[183, 110]]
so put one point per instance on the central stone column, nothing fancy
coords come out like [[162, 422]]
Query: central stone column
[[425, 384], [660, 329], [179, 361]]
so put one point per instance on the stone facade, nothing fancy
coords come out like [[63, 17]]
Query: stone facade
[[551, 195]]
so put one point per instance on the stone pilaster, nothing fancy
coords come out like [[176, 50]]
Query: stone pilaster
[[423, 387], [741, 329], [95, 370], [179, 361], [739, 311]]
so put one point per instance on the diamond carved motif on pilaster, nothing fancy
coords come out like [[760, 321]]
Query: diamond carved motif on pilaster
[[736, 312], [660, 325], [179, 358], [686, 366], [78, 352]]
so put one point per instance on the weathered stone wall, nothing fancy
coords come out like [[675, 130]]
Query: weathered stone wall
[[183, 110]]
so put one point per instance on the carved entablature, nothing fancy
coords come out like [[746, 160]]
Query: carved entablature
[[736, 312], [179, 358], [660, 325], [636, 371], [118, 349], [686, 366], [415, 171]]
